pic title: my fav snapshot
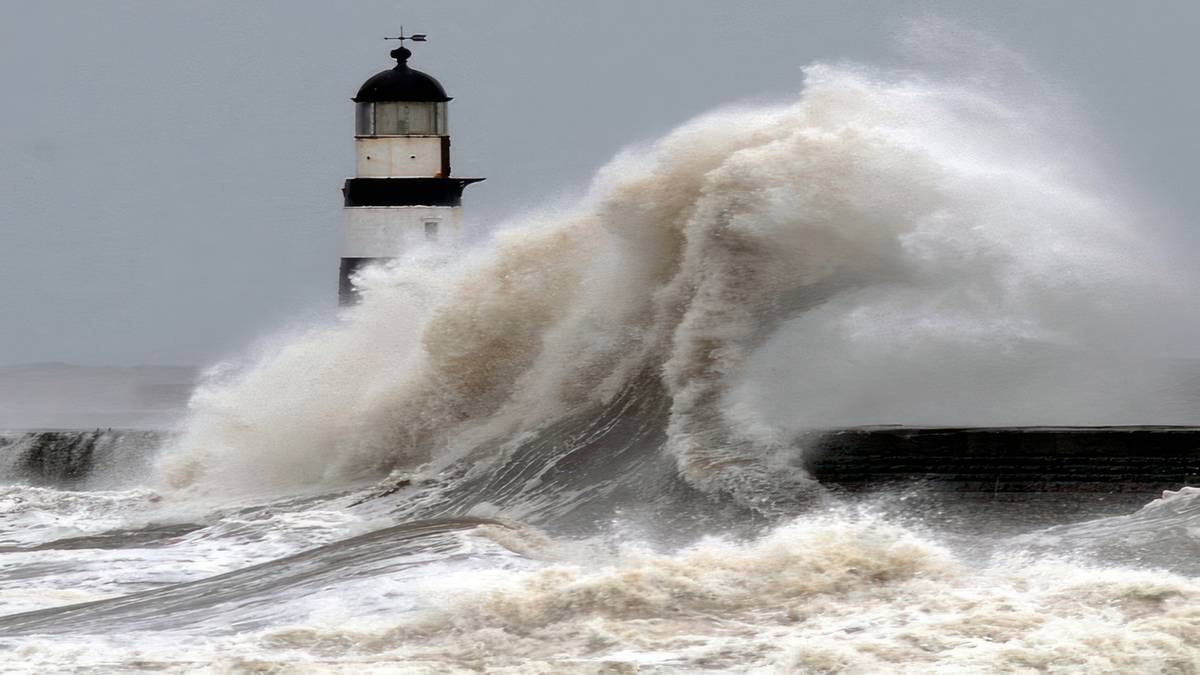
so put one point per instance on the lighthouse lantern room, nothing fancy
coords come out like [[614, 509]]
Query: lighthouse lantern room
[[402, 194]]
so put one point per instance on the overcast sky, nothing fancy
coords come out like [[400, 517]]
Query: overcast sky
[[170, 171]]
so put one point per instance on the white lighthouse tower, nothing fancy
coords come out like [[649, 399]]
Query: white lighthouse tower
[[402, 194]]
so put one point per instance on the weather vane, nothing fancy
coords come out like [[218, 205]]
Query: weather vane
[[417, 37]]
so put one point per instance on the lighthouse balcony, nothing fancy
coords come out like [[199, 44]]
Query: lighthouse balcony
[[405, 191]]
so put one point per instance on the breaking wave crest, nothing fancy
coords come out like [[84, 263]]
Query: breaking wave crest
[[885, 249]]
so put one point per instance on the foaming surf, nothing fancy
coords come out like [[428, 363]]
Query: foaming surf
[[580, 446]]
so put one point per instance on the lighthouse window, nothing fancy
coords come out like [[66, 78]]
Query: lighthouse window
[[406, 118], [364, 119], [431, 230], [440, 121], [399, 118]]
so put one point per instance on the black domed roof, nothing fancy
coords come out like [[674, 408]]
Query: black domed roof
[[401, 84]]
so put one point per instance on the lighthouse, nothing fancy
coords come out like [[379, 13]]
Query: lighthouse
[[402, 194]]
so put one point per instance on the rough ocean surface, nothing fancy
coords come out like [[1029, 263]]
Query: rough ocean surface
[[579, 448]]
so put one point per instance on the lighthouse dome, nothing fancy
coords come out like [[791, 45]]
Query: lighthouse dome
[[401, 84]]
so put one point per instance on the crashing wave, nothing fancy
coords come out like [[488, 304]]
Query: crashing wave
[[886, 249]]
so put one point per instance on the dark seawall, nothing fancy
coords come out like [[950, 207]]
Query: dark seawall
[[1134, 459], [73, 459], [1141, 459]]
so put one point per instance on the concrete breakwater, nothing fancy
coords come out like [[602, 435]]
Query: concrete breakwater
[[1127, 459], [1009, 459], [76, 458]]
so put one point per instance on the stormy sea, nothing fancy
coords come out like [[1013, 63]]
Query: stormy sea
[[620, 435]]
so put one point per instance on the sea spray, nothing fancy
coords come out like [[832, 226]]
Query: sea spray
[[886, 249]]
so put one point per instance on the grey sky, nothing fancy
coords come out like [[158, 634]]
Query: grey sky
[[170, 171]]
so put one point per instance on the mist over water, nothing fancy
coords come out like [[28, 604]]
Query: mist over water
[[576, 446]]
